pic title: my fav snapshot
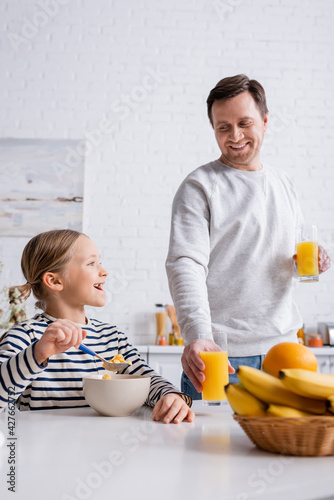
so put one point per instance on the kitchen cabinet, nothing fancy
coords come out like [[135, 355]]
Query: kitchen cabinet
[[325, 357], [325, 364]]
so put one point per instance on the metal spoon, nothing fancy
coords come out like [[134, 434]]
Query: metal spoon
[[108, 365]]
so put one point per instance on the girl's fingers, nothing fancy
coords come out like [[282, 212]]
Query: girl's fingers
[[172, 408], [165, 405], [60, 335], [156, 409], [67, 336], [172, 412], [71, 334], [163, 408], [182, 414], [82, 336], [190, 416]]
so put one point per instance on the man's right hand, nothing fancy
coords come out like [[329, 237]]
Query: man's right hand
[[192, 364]]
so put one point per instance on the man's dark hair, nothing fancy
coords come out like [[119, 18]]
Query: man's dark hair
[[234, 85]]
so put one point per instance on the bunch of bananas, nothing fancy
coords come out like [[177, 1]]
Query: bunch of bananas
[[296, 393]]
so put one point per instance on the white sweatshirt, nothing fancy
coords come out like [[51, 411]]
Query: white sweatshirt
[[230, 263]]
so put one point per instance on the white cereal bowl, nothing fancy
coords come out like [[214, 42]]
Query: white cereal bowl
[[118, 397]]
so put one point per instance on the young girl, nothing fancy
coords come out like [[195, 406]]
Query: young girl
[[40, 358]]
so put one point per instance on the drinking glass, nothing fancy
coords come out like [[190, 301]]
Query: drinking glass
[[216, 370], [307, 253]]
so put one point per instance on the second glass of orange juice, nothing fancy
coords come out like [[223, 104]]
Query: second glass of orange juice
[[307, 253], [215, 372]]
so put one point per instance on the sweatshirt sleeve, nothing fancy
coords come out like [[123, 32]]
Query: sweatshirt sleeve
[[159, 386], [18, 365], [188, 258]]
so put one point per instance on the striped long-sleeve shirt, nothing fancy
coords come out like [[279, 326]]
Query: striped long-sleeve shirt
[[58, 384]]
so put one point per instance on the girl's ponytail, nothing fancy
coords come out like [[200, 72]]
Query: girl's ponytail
[[19, 293]]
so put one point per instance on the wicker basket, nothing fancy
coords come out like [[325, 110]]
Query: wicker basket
[[305, 436]]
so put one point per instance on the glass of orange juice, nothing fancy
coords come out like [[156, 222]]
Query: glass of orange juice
[[307, 253], [216, 371]]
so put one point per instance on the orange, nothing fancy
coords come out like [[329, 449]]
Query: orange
[[289, 355]]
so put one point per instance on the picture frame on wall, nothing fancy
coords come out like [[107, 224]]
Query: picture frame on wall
[[42, 188]]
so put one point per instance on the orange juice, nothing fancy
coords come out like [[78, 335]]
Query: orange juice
[[307, 258], [216, 375]]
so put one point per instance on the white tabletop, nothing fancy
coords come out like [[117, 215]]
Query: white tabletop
[[77, 454]]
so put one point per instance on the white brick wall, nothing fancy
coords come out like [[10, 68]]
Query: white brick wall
[[86, 59]]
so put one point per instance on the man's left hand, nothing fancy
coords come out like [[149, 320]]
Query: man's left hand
[[324, 260]]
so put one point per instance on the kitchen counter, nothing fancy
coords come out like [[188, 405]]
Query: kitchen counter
[[324, 350], [77, 454]]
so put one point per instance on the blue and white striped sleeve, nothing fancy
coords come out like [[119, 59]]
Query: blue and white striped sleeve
[[18, 365], [159, 386]]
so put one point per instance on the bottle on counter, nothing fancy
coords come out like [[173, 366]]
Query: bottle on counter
[[171, 339], [161, 317], [314, 340], [162, 340], [301, 335]]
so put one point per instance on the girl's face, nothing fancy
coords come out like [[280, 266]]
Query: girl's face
[[84, 276]]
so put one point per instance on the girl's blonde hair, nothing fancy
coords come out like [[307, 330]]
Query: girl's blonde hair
[[46, 252]]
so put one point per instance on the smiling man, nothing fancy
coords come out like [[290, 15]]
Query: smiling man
[[232, 240], [239, 129]]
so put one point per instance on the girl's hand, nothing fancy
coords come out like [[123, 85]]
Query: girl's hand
[[58, 337], [172, 408]]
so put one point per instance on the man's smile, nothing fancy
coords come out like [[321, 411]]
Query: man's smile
[[239, 147]]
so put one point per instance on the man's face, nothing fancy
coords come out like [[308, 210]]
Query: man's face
[[239, 130]]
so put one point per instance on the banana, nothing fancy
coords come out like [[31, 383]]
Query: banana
[[243, 402], [286, 411], [307, 383], [330, 404], [271, 390]]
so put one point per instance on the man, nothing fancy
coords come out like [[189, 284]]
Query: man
[[232, 240]]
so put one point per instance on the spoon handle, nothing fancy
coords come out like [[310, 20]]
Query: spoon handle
[[85, 349]]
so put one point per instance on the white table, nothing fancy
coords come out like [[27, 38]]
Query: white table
[[68, 454]]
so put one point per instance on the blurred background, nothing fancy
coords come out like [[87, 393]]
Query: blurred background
[[104, 114]]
